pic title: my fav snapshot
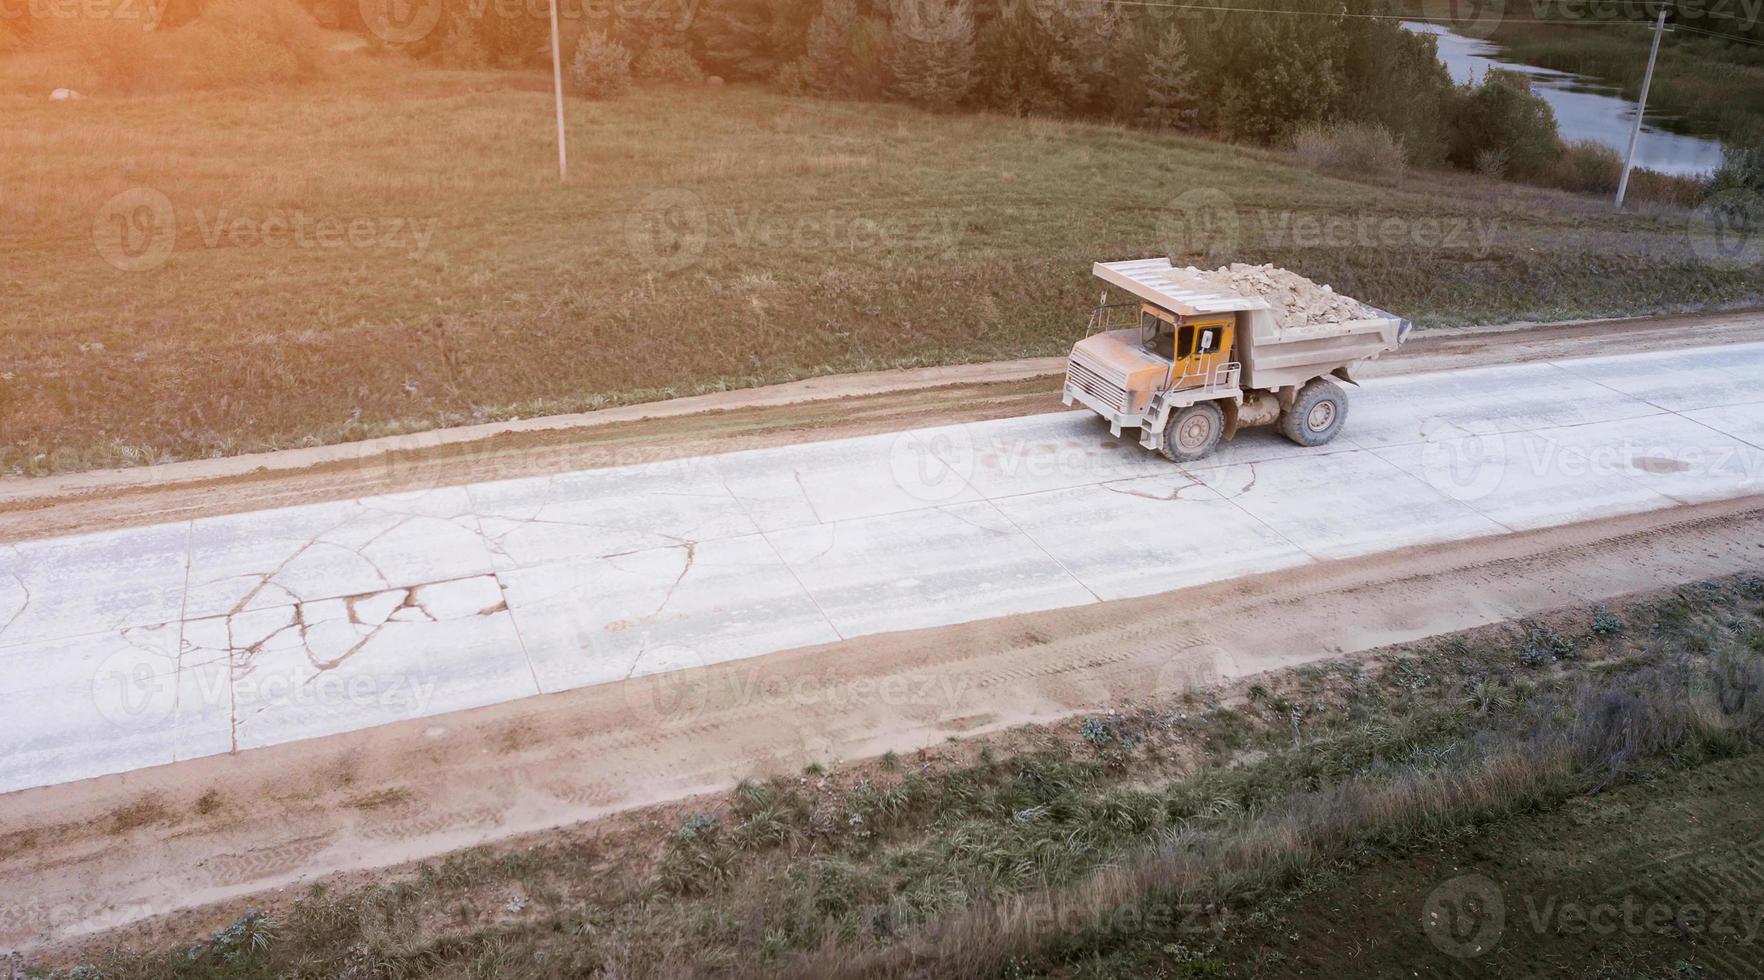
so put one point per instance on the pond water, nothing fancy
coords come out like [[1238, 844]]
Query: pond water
[[1586, 109]]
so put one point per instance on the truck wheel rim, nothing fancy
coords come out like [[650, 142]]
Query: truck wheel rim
[[1322, 416], [1194, 433]]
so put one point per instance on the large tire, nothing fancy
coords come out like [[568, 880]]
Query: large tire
[[1193, 432], [1317, 414]]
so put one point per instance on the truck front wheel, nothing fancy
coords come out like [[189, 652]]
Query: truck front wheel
[[1316, 414], [1193, 432]]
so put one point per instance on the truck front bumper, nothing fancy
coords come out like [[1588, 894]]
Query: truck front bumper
[[1118, 419]]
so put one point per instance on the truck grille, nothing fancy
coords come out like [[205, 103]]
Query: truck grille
[[1090, 381]]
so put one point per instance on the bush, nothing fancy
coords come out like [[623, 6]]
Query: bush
[[666, 63], [1587, 167], [1502, 115], [1742, 166], [601, 67], [793, 79], [1361, 148]]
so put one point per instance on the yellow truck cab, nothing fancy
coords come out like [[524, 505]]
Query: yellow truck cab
[[1187, 362]]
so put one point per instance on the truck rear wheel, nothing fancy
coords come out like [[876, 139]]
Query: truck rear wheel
[[1193, 432], [1316, 414]]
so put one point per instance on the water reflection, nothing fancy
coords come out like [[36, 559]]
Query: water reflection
[[1585, 108]]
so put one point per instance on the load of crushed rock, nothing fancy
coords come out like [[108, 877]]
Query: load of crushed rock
[[1294, 300]]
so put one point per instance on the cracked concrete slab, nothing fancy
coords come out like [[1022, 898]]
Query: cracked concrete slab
[[1679, 381], [105, 702], [336, 665], [94, 583], [142, 646], [932, 567], [593, 620], [1154, 534]]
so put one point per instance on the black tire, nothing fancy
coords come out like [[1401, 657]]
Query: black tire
[[1193, 432], [1317, 414]]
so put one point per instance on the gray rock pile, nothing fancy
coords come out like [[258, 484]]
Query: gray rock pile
[[1294, 300]]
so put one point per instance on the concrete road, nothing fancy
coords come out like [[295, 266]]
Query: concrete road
[[148, 645]]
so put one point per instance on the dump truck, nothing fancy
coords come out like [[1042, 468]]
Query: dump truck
[[1189, 360]]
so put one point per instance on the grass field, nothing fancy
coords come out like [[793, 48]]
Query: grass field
[[1302, 823], [194, 275]]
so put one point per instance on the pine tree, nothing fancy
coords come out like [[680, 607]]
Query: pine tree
[[932, 58], [1170, 85], [602, 66], [827, 58], [845, 52]]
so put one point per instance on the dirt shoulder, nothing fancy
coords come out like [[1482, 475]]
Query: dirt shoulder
[[119, 849], [805, 411]]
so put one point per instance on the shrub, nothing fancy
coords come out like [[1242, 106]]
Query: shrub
[[932, 54], [793, 79], [667, 63], [601, 67], [1742, 166], [1361, 148], [1502, 114], [1588, 167]]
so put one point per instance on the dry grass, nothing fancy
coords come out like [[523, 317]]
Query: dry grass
[[709, 238]]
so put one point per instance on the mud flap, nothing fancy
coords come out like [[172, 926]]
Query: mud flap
[[1342, 373]]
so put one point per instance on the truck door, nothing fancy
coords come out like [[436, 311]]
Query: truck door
[[1202, 348]]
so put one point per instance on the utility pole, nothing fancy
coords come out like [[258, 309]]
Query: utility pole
[[1641, 108], [563, 155]]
